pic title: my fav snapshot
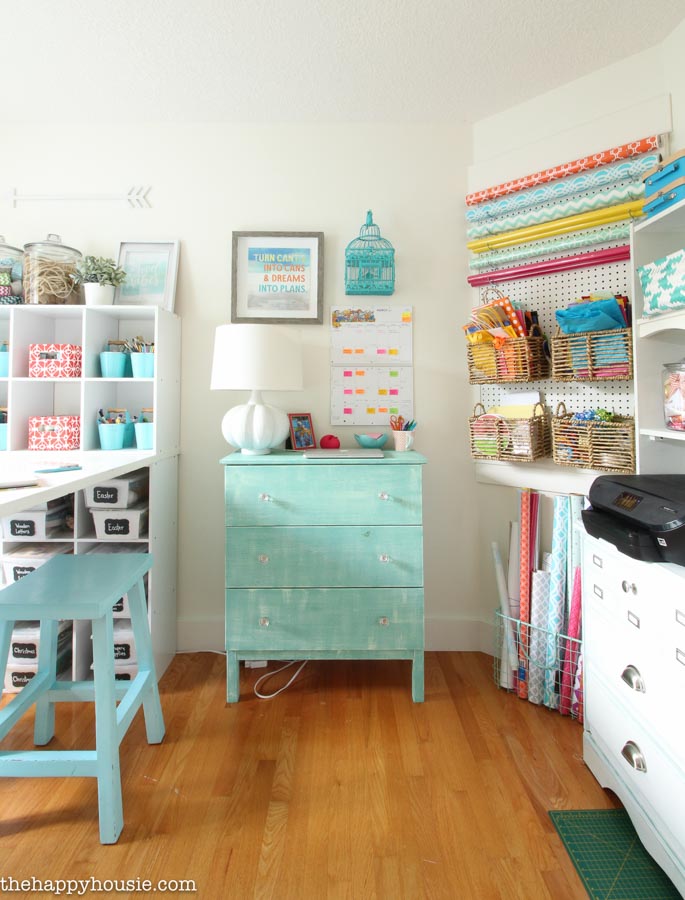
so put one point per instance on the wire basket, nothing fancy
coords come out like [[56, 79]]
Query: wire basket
[[514, 360], [604, 446], [549, 662], [593, 356], [515, 440]]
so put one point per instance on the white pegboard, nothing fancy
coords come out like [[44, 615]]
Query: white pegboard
[[546, 294]]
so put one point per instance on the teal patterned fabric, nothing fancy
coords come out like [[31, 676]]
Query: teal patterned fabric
[[564, 187], [663, 284]]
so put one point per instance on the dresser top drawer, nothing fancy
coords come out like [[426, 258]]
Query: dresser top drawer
[[323, 495]]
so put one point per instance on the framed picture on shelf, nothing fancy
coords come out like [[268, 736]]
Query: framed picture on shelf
[[301, 431], [151, 268], [277, 277]]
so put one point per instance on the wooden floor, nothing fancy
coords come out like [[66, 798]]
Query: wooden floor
[[340, 787]]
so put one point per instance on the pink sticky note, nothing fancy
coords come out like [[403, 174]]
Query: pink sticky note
[[348, 391], [347, 411], [347, 373], [394, 392], [381, 350]]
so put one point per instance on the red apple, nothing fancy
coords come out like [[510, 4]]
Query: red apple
[[329, 442]]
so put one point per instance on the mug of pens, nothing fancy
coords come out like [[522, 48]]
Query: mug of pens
[[402, 432], [142, 357]]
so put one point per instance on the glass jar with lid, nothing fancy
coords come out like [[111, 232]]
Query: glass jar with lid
[[11, 287], [673, 375], [50, 272]]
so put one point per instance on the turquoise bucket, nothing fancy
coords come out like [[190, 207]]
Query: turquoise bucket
[[113, 364], [143, 365], [112, 435]]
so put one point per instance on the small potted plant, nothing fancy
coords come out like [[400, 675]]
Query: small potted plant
[[99, 276]]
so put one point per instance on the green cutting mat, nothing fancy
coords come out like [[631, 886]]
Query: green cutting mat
[[609, 857]]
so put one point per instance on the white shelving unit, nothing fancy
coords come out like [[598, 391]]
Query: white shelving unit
[[24, 396], [656, 340]]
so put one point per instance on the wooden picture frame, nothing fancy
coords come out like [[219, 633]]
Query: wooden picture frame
[[277, 277], [301, 431], [151, 270]]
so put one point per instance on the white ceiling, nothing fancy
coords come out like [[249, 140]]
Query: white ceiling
[[309, 60]]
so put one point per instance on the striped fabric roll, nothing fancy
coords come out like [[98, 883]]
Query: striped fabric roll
[[557, 596], [594, 161]]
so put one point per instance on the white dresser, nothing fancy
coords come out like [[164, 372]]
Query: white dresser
[[634, 660]]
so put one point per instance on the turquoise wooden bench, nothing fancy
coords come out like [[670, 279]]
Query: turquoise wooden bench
[[82, 587]]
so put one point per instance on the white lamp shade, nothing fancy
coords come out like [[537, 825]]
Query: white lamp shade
[[256, 358]]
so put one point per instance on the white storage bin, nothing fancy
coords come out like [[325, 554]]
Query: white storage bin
[[35, 524], [18, 675], [119, 493], [25, 642], [121, 524], [21, 560]]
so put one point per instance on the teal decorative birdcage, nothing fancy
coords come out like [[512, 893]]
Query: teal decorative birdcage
[[369, 262]]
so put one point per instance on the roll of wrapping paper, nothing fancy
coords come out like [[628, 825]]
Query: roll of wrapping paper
[[631, 170], [557, 596], [584, 163], [562, 264], [508, 655], [630, 210], [524, 581], [574, 549], [610, 234], [571, 647], [539, 607], [577, 709], [564, 209]]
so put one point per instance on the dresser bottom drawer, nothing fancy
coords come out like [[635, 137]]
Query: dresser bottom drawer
[[325, 620]]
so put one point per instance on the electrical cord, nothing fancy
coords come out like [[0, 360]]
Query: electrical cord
[[267, 675]]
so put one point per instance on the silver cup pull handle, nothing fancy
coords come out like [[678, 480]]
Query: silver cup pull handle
[[633, 679], [634, 756]]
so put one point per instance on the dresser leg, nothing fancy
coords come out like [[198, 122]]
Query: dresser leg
[[417, 677], [232, 677]]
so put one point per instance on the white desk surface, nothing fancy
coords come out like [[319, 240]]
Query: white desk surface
[[95, 466]]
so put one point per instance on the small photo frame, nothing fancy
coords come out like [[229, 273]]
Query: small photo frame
[[277, 277], [151, 269], [301, 431]]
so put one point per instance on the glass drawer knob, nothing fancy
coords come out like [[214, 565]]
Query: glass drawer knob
[[383, 495], [264, 621], [384, 558], [265, 498], [384, 620], [263, 558]]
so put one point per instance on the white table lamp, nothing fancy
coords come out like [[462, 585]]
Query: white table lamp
[[256, 358]]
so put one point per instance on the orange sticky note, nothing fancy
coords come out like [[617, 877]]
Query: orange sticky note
[[360, 391], [360, 372]]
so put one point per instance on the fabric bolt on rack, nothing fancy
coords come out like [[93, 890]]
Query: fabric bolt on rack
[[565, 187], [603, 235], [585, 163], [561, 264]]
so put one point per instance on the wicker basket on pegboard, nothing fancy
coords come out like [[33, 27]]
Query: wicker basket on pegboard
[[514, 360], [593, 355], [593, 444], [515, 440]]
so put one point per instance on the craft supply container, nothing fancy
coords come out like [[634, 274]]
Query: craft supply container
[[50, 270], [11, 268], [673, 375]]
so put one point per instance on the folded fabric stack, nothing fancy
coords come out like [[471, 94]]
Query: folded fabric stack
[[598, 313]]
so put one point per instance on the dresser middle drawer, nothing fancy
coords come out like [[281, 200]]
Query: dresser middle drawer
[[325, 620], [334, 556]]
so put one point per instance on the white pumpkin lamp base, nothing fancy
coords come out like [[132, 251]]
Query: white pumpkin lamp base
[[255, 427]]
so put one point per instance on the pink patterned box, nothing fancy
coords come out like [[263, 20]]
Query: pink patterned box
[[54, 432], [54, 361]]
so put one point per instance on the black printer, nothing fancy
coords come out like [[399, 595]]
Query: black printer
[[643, 516]]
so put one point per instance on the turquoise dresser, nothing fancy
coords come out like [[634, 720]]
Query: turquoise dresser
[[324, 560]]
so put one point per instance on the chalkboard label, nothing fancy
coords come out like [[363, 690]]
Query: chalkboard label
[[20, 571], [119, 605], [24, 651], [117, 526], [122, 651], [122, 676], [21, 679], [105, 494], [23, 528]]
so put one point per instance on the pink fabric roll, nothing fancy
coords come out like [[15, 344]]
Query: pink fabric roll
[[571, 648], [561, 264], [524, 560]]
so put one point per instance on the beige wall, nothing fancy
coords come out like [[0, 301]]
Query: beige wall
[[208, 180]]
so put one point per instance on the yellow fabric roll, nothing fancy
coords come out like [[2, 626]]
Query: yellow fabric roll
[[631, 210]]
